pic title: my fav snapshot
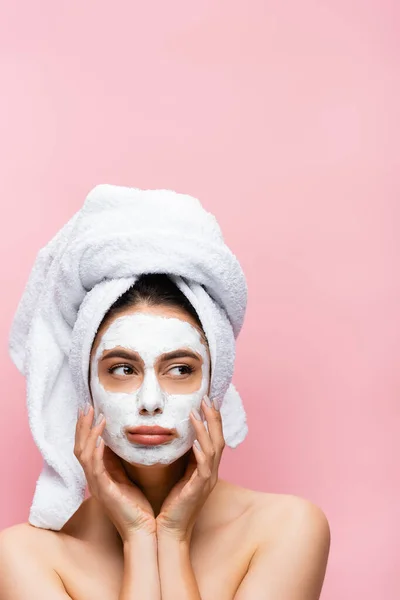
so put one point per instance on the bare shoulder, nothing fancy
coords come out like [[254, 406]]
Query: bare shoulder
[[274, 516], [291, 541], [27, 554], [284, 513], [32, 543], [25, 537]]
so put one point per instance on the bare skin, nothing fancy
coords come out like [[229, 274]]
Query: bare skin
[[85, 559], [233, 543]]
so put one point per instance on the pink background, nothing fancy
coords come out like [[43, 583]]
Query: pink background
[[282, 117]]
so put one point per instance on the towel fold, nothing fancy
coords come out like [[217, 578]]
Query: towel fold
[[117, 235]]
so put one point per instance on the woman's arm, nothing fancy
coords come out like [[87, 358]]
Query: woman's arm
[[127, 507], [176, 573], [140, 578], [181, 508], [294, 567], [24, 571]]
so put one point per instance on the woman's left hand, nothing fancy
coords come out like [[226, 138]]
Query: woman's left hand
[[182, 505]]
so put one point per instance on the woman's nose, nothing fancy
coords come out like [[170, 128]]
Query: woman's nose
[[150, 397], [156, 411]]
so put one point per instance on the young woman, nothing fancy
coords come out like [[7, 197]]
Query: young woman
[[160, 528]]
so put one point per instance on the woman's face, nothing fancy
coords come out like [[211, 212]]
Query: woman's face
[[135, 380]]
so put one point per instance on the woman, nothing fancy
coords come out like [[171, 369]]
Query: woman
[[134, 307], [165, 530]]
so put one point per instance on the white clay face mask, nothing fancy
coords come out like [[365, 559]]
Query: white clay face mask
[[150, 336]]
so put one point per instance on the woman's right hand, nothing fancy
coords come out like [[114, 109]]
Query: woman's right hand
[[125, 504]]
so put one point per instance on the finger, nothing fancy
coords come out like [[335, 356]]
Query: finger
[[104, 482], [215, 430], [190, 467], [86, 453], [78, 427], [203, 466], [203, 437], [82, 430], [96, 430], [114, 466], [99, 471]]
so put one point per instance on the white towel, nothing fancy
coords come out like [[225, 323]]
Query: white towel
[[117, 235]]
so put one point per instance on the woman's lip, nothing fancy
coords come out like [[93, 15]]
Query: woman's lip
[[149, 439], [149, 429]]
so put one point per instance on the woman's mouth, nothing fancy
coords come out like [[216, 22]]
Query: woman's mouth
[[149, 435]]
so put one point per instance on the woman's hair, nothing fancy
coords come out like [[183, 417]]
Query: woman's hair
[[154, 289]]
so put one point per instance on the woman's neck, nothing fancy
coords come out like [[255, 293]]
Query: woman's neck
[[156, 481]]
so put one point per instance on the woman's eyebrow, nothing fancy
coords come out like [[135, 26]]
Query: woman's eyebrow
[[178, 354], [133, 356], [120, 353]]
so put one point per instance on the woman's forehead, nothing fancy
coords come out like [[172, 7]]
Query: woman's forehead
[[165, 318]]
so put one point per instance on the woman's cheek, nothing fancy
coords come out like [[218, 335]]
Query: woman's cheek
[[119, 411]]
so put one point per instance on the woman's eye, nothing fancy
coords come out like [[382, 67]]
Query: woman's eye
[[113, 370], [186, 369]]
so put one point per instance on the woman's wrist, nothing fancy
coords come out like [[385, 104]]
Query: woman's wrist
[[139, 549], [172, 546], [172, 535], [139, 540], [167, 539]]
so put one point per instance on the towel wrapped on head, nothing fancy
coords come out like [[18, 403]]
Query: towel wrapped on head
[[119, 234]]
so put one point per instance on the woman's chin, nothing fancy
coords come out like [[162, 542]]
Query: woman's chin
[[150, 456]]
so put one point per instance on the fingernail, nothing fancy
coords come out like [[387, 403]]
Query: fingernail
[[196, 443], [196, 414], [99, 419], [216, 404], [86, 409], [207, 401], [98, 441]]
